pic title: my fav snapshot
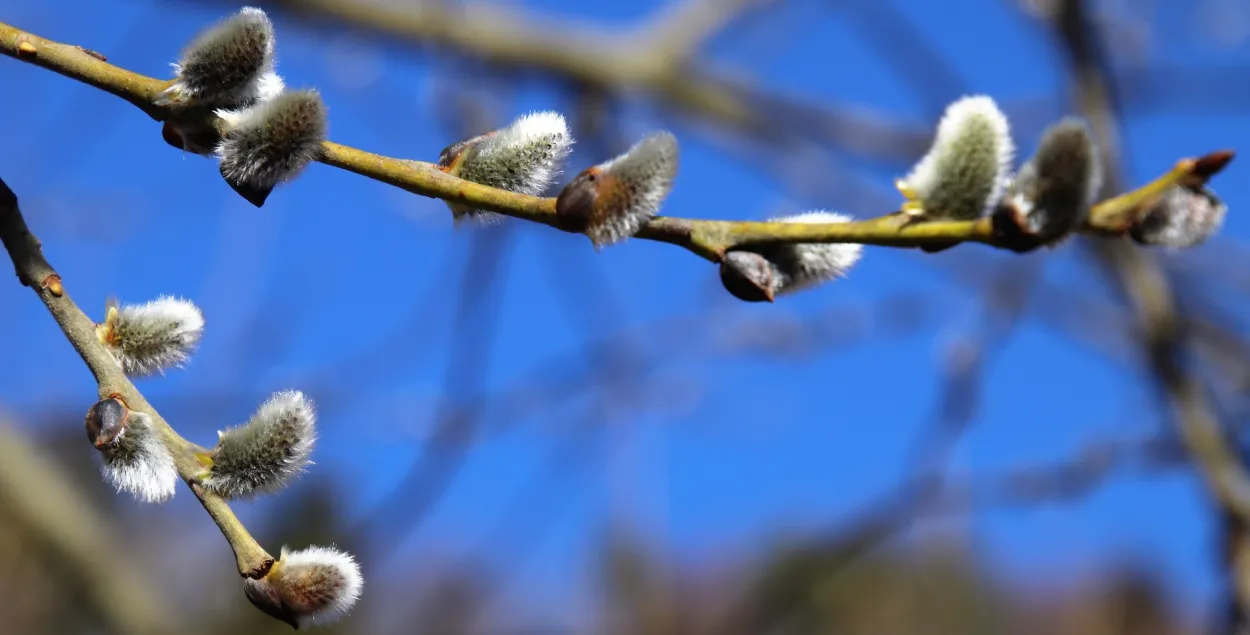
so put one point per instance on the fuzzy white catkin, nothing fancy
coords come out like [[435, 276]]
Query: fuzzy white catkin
[[645, 174], [138, 462], [805, 264], [611, 201], [524, 157], [200, 138], [273, 141], [153, 337], [1056, 187], [229, 65], [268, 451], [763, 273], [269, 86], [965, 172], [312, 586], [344, 568], [1182, 218]]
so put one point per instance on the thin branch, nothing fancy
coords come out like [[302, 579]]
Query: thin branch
[[678, 30], [1162, 336], [458, 416], [1163, 339], [34, 271], [706, 238], [1068, 479], [85, 66]]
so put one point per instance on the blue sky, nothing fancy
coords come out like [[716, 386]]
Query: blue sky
[[751, 446]]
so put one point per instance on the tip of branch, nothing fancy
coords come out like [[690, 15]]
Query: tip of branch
[[1211, 164]]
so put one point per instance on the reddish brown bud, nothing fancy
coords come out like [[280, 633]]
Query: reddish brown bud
[[613, 200], [576, 203], [106, 420]]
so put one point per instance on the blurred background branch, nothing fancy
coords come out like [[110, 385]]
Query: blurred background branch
[[44, 507]]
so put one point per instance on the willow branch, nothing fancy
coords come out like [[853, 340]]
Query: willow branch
[[709, 239], [34, 271]]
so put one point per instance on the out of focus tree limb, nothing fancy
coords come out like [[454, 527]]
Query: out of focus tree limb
[[41, 500], [1162, 336], [655, 59]]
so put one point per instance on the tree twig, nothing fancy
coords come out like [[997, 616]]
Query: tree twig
[[709, 239], [678, 30], [34, 271]]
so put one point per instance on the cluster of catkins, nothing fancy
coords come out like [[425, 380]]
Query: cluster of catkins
[[967, 174], [608, 202], [263, 455], [613, 200], [271, 133]]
